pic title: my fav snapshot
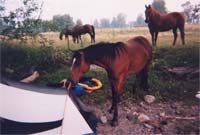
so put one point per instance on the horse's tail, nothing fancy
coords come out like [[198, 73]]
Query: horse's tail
[[93, 33]]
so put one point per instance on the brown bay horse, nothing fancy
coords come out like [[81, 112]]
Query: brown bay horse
[[79, 30], [119, 60], [163, 22], [68, 32]]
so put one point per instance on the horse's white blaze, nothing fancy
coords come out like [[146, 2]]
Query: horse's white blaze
[[74, 60]]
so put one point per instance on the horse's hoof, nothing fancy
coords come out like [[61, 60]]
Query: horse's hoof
[[114, 123]]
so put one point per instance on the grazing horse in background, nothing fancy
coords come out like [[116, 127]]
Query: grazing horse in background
[[68, 32], [119, 60], [163, 22], [79, 30]]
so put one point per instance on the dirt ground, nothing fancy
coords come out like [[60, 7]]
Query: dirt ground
[[167, 118]]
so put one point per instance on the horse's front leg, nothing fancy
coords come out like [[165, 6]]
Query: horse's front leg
[[67, 41], [80, 38], [77, 37], [156, 37], [152, 38], [115, 108], [112, 106], [117, 85]]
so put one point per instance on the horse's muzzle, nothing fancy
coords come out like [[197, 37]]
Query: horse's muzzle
[[146, 21], [73, 82]]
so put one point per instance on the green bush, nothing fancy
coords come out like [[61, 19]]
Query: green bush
[[23, 59]]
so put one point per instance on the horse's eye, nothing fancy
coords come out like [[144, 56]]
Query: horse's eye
[[78, 61]]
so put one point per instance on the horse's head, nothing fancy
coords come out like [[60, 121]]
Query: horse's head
[[147, 13], [79, 66], [65, 32]]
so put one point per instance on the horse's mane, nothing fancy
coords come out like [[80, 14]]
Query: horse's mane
[[155, 13], [103, 50]]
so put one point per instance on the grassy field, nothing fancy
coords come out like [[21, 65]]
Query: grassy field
[[49, 59], [47, 54], [192, 36]]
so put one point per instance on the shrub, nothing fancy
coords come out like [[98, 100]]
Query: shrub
[[23, 59]]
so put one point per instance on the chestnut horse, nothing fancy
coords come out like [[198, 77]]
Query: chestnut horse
[[79, 30], [163, 22], [119, 60]]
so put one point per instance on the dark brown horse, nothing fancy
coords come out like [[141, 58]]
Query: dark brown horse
[[163, 22], [68, 32], [119, 60], [79, 30]]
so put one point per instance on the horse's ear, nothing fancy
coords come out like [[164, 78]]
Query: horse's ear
[[145, 6], [149, 6]]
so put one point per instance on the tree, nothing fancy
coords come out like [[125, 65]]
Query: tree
[[63, 21], [140, 20], [131, 23], [47, 26], [23, 21], [119, 21], [191, 12], [196, 14], [96, 23], [79, 22], [2, 10], [114, 22], [159, 5], [104, 23]]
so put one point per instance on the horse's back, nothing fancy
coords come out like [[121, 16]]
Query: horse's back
[[139, 52], [140, 41], [179, 17], [175, 18]]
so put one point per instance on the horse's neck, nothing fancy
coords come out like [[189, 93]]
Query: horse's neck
[[104, 63], [99, 63], [155, 18]]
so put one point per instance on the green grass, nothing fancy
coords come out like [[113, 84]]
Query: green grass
[[49, 60], [163, 85]]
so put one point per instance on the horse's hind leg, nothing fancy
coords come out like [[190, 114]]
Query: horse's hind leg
[[175, 35], [144, 79], [93, 37], [182, 34], [136, 83]]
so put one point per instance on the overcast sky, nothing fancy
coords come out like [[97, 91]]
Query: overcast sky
[[89, 10]]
